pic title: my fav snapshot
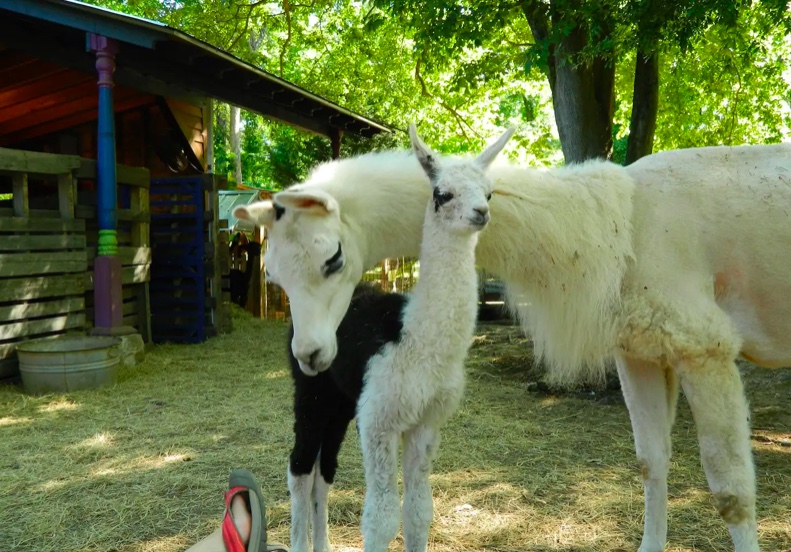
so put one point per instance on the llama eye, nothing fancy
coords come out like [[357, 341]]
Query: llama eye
[[441, 198], [334, 263], [488, 197]]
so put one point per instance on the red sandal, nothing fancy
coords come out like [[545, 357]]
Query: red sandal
[[242, 482]]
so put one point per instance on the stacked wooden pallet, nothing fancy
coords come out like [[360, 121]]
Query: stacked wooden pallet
[[43, 262]]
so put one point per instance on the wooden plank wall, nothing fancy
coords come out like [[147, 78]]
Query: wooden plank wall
[[190, 119], [48, 241], [43, 261]]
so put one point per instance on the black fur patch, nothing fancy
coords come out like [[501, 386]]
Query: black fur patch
[[441, 198], [334, 263], [325, 404]]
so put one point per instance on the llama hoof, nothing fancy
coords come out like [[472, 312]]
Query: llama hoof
[[650, 547], [325, 547]]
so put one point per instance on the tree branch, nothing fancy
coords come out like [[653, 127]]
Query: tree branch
[[537, 15], [287, 11], [425, 92], [242, 33]]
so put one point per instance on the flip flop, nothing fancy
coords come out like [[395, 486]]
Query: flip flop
[[242, 482]]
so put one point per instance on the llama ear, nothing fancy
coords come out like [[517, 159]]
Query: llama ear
[[426, 157], [260, 213], [488, 155], [314, 202]]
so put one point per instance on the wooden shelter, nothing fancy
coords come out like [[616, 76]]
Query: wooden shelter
[[108, 208]]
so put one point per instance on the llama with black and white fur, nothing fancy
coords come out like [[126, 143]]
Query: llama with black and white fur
[[326, 403], [673, 266], [410, 353]]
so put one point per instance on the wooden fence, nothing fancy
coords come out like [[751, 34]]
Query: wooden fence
[[48, 240]]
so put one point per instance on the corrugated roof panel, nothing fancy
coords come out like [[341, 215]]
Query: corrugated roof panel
[[230, 200]]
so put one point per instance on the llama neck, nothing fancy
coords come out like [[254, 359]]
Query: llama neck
[[448, 284], [543, 222], [547, 225], [383, 197]]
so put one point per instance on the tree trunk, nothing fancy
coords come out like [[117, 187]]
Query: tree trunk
[[236, 142], [583, 100], [645, 103], [583, 94]]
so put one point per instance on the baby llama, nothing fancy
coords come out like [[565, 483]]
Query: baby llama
[[402, 360], [414, 384]]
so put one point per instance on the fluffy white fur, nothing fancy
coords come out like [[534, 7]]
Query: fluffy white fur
[[673, 267], [414, 385]]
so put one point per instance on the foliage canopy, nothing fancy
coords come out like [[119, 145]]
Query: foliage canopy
[[465, 70]]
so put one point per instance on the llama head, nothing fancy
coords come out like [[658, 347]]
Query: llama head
[[307, 258], [461, 189]]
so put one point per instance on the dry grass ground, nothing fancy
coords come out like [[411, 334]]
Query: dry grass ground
[[142, 466]]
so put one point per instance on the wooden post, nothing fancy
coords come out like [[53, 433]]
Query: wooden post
[[140, 238], [336, 137], [19, 188], [66, 195], [208, 124], [107, 265]]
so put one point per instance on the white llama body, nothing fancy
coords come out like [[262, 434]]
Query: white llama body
[[672, 266]]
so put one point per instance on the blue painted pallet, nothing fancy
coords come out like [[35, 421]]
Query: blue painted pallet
[[178, 279]]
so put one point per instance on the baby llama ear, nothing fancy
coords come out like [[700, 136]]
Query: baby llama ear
[[314, 202], [426, 157], [488, 155], [260, 213]]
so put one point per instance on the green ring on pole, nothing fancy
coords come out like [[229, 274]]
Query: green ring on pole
[[108, 242]]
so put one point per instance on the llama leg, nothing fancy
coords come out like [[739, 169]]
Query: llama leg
[[300, 487], [326, 467], [420, 448], [716, 397], [308, 434], [381, 514], [650, 392]]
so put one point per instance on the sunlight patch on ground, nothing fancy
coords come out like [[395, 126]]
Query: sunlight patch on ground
[[465, 515], [59, 405], [11, 420], [162, 544], [100, 440], [143, 463], [550, 401], [276, 374], [52, 484]]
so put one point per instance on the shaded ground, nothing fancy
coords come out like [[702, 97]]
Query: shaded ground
[[142, 466]]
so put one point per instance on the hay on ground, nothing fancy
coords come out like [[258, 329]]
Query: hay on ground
[[141, 467]]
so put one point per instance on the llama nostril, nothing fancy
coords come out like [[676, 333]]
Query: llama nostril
[[481, 215], [313, 357]]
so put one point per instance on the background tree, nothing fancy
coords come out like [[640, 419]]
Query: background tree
[[579, 45], [711, 71]]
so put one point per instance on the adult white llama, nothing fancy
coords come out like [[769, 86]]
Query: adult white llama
[[674, 266]]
